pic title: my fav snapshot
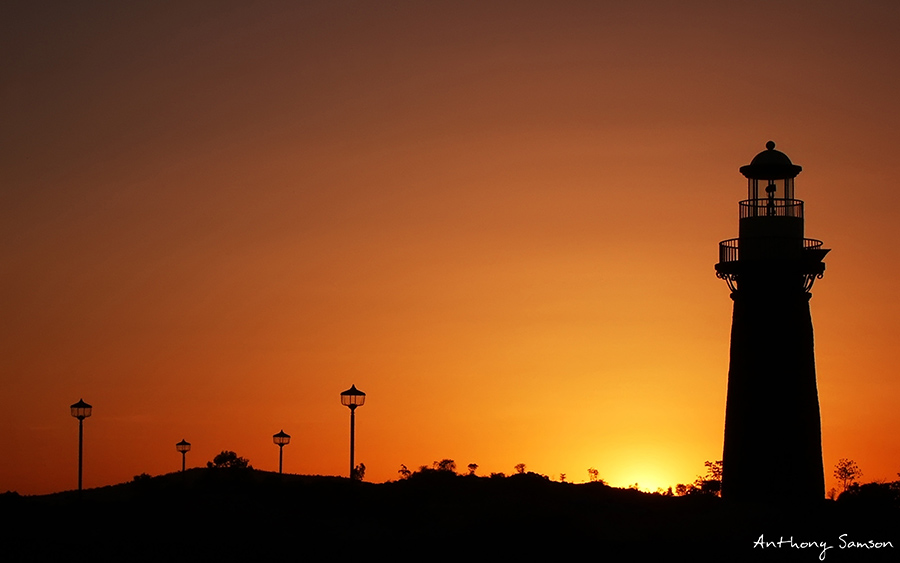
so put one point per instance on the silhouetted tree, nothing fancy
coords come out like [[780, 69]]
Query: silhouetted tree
[[359, 472], [711, 487], [472, 467], [712, 483], [713, 470], [878, 495], [562, 477], [228, 458], [520, 468], [404, 472], [593, 475], [445, 465], [847, 472]]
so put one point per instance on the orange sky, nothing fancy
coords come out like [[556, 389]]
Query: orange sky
[[498, 219]]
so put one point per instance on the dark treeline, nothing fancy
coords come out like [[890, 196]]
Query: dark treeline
[[241, 514]]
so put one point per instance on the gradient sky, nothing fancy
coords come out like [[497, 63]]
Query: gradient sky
[[498, 219]]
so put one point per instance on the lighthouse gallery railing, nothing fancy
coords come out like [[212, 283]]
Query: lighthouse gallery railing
[[729, 249], [775, 207]]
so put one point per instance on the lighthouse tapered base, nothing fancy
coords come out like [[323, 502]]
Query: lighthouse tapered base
[[773, 434]]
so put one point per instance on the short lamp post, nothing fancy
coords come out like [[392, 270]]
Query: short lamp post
[[80, 410], [281, 440], [184, 447], [352, 398]]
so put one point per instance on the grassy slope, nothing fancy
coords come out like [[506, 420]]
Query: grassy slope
[[248, 515]]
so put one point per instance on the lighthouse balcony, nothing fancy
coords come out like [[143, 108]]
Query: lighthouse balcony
[[810, 255], [771, 207]]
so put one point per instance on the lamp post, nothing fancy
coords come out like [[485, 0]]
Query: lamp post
[[80, 410], [281, 440], [184, 447], [352, 398]]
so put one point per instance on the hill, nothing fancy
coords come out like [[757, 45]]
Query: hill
[[250, 515]]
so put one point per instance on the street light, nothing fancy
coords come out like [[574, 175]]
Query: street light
[[80, 410], [281, 439], [184, 447], [352, 398]]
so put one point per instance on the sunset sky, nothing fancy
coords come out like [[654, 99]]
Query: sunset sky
[[498, 219]]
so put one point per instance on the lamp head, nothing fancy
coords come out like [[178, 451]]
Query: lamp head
[[353, 398], [282, 439], [81, 410]]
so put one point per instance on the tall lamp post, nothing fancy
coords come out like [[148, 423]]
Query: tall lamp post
[[352, 398], [184, 447], [80, 410], [281, 440]]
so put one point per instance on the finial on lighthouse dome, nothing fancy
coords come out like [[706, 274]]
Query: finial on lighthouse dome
[[771, 164]]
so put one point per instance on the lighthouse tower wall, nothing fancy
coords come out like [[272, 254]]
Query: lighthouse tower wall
[[773, 437]]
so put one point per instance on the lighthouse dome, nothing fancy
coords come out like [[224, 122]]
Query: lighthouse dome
[[770, 164]]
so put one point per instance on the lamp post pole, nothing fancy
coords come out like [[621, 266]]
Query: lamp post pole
[[352, 439], [80, 410], [80, 450], [353, 398]]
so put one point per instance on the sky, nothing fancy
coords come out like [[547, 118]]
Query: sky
[[498, 219]]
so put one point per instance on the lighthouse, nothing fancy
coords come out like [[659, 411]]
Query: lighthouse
[[773, 433]]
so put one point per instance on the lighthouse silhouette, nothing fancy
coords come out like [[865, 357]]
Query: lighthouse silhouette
[[773, 433]]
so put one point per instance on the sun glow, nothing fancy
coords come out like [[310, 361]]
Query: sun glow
[[643, 475]]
